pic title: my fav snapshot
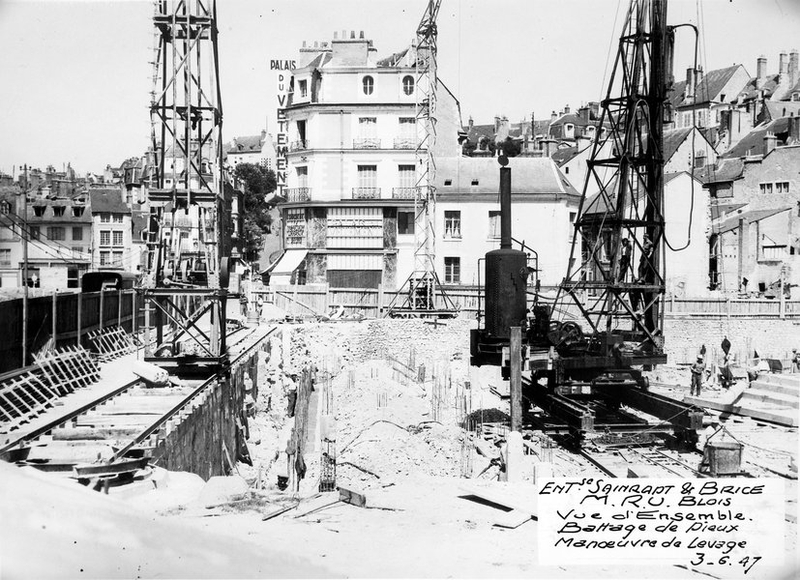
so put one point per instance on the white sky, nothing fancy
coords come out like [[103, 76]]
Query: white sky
[[75, 78]]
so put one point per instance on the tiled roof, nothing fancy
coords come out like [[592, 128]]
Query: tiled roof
[[673, 138], [770, 84], [246, 144], [753, 216], [720, 209], [778, 109], [541, 127], [108, 201], [565, 154], [391, 61], [708, 88], [724, 170], [529, 175], [753, 142]]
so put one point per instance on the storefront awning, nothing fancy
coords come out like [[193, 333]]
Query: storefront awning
[[282, 270]]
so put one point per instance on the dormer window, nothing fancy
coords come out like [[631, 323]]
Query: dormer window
[[77, 211], [38, 210], [303, 89], [58, 210], [368, 84], [408, 84]]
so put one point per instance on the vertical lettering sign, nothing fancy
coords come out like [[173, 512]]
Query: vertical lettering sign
[[284, 70]]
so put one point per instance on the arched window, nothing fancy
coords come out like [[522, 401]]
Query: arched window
[[368, 84], [408, 84]]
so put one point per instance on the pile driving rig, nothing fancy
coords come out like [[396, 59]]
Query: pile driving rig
[[580, 370], [187, 272]]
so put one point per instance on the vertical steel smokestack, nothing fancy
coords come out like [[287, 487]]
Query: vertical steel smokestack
[[505, 208]]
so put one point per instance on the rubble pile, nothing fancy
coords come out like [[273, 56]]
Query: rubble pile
[[385, 431]]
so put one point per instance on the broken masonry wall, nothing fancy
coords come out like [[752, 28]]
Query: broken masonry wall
[[209, 436]]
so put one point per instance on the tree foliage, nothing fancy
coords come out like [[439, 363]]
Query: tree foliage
[[258, 183]]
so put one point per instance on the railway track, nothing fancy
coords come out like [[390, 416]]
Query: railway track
[[643, 462], [109, 439]]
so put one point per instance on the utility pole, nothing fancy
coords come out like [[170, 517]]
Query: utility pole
[[23, 232]]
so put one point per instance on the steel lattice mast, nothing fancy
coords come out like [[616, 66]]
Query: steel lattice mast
[[187, 269], [424, 285], [620, 290]]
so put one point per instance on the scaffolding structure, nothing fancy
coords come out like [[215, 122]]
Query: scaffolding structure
[[187, 269], [616, 275]]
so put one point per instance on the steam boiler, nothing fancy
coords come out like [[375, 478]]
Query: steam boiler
[[505, 288]]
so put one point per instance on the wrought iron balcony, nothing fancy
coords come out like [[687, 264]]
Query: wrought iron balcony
[[300, 145], [366, 193], [405, 143], [295, 194], [367, 143], [404, 192]]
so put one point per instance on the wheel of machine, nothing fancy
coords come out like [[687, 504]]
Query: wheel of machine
[[224, 272]]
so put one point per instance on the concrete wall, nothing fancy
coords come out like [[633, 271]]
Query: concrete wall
[[197, 439], [772, 338]]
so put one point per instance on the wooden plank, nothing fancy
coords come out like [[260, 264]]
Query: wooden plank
[[789, 419], [503, 497], [352, 497], [512, 519]]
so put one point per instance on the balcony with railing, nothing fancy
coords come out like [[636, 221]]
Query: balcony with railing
[[404, 192], [367, 143], [366, 193], [300, 145], [405, 143], [297, 194]]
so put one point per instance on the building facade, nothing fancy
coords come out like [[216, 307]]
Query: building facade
[[352, 165], [543, 210]]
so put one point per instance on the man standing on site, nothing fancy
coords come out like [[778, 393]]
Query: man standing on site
[[698, 368]]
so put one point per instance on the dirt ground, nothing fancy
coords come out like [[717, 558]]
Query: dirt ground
[[398, 440]]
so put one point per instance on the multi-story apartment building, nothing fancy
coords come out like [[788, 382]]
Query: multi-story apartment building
[[352, 165], [544, 207], [59, 230], [112, 246]]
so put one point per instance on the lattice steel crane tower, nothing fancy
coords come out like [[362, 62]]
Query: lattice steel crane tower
[[419, 292], [616, 273], [186, 276]]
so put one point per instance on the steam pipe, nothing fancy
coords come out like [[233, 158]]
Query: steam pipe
[[505, 208]]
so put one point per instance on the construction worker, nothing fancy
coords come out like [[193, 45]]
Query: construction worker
[[698, 368], [795, 361], [624, 260]]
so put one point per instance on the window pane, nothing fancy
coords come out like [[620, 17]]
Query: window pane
[[77, 234], [494, 224], [368, 85], [408, 84], [452, 224], [367, 175]]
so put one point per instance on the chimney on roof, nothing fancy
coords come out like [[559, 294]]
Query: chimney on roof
[[553, 117], [793, 67], [761, 71], [470, 123], [335, 35], [698, 78], [583, 113], [496, 124], [690, 85], [770, 142], [794, 131], [566, 109], [783, 65]]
